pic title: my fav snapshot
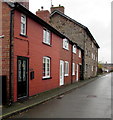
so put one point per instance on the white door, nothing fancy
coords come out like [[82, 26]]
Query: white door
[[77, 73], [61, 72]]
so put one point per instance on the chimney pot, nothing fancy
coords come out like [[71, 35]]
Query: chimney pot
[[59, 8], [42, 7]]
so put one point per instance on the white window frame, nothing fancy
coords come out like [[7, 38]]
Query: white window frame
[[96, 59], [46, 36], [23, 24], [96, 69], [74, 49], [79, 53], [92, 45], [66, 68], [92, 55], [73, 68], [46, 71], [86, 67], [65, 44], [92, 68]]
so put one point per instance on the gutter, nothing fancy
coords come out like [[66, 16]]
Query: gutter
[[10, 59]]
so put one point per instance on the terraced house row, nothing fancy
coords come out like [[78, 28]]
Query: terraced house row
[[36, 57]]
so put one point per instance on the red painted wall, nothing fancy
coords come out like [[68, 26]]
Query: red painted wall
[[33, 48], [76, 60]]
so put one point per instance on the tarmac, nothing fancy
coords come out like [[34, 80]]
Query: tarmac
[[30, 102]]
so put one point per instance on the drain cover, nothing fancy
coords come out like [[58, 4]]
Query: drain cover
[[91, 96]]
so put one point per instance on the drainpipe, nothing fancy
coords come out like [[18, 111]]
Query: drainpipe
[[10, 59]]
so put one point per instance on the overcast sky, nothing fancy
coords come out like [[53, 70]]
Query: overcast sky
[[94, 14]]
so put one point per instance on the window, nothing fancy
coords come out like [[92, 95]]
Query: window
[[86, 68], [46, 67], [92, 55], [86, 52], [92, 68], [92, 45], [65, 44], [46, 36], [79, 53], [96, 59], [96, 69], [73, 69], [74, 48], [23, 24], [66, 68]]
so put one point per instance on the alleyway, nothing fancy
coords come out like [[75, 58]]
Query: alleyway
[[90, 101]]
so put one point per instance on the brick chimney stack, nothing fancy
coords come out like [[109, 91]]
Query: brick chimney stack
[[43, 14], [59, 8]]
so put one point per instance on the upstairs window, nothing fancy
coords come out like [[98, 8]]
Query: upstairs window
[[74, 48], [23, 24], [79, 53], [94, 57], [92, 45], [46, 67], [92, 68], [66, 68], [65, 44], [46, 36]]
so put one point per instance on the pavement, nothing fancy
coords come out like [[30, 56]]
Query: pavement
[[23, 105]]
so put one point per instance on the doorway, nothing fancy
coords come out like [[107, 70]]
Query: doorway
[[22, 77]]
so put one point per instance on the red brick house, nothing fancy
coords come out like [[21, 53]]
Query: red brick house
[[35, 56]]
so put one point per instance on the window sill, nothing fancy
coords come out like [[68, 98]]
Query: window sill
[[24, 35], [73, 52], [47, 78], [66, 75], [47, 44], [66, 49]]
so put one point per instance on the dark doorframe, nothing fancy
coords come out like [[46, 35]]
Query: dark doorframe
[[81, 72], [22, 77]]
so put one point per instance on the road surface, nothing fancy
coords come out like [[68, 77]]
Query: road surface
[[90, 101]]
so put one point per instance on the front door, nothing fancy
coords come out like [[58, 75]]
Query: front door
[[61, 72], [22, 77], [77, 72]]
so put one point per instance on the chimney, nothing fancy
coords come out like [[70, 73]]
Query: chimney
[[59, 8], [25, 4], [43, 14]]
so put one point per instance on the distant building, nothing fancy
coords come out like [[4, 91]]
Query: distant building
[[107, 67]]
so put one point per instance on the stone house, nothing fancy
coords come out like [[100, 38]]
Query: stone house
[[81, 35]]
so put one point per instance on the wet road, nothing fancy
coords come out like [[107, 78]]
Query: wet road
[[90, 101]]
